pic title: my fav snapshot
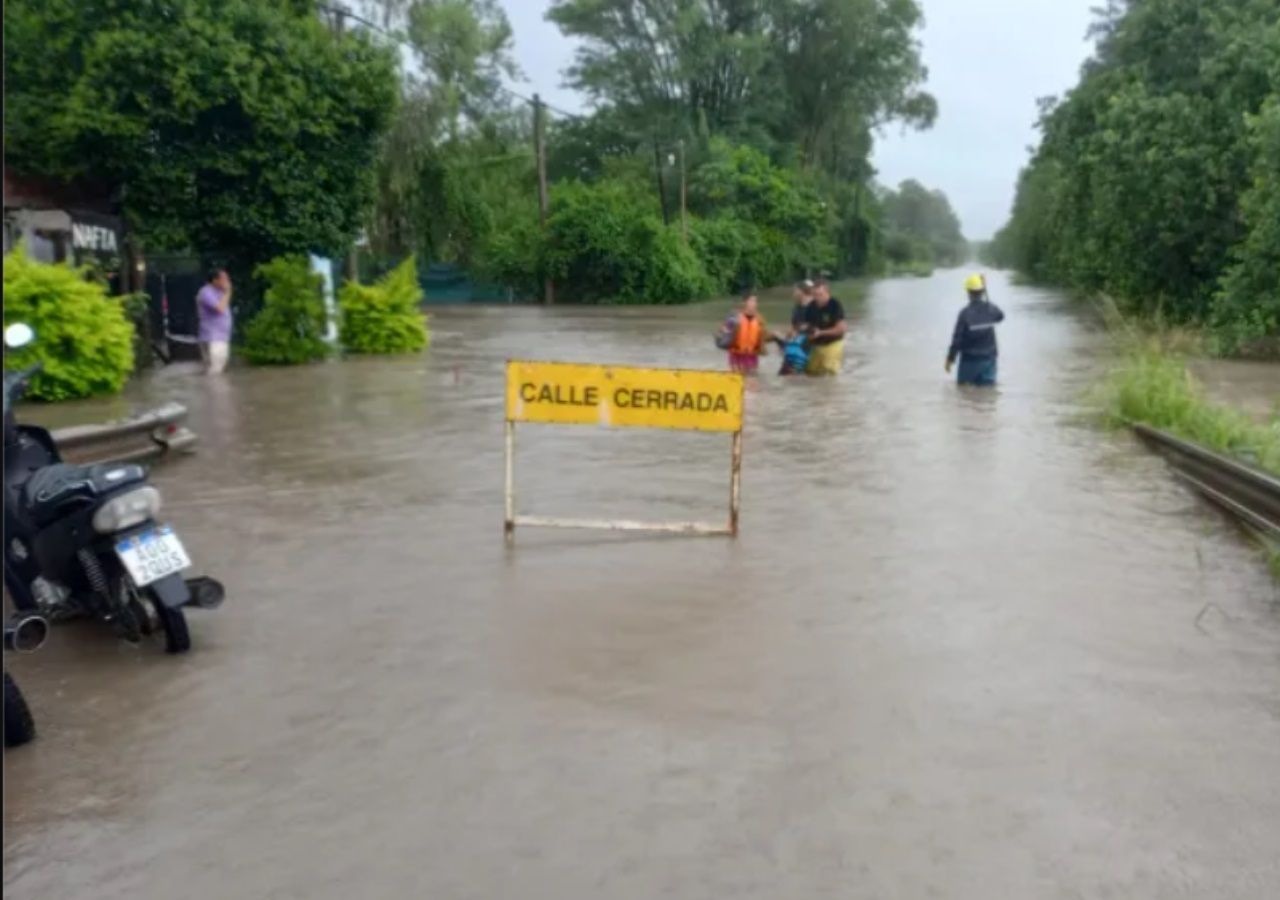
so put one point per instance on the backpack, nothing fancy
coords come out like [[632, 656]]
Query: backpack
[[796, 353], [725, 339]]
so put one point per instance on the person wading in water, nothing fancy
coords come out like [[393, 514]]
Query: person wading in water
[[213, 307], [744, 336], [974, 340], [827, 327], [803, 294]]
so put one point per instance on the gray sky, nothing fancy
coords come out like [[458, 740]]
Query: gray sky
[[988, 61]]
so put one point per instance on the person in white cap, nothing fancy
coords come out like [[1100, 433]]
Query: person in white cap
[[803, 294]]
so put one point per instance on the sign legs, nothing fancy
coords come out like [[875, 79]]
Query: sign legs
[[510, 527], [735, 483]]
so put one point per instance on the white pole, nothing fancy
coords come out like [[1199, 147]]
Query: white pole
[[324, 268]]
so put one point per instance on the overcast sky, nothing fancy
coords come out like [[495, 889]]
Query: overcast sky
[[988, 61]]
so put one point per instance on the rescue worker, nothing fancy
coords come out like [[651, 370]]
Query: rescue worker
[[826, 330], [744, 335], [974, 340]]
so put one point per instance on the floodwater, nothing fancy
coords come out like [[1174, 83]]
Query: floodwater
[[967, 646], [1248, 385]]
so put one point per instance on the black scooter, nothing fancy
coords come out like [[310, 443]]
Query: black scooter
[[83, 540], [23, 633]]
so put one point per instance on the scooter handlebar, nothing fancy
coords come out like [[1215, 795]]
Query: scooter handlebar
[[15, 383]]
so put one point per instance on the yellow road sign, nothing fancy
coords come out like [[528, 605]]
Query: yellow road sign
[[574, 394]]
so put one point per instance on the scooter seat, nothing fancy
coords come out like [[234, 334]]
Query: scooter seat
[[52, 491]]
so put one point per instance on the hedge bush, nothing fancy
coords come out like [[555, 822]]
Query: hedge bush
[[137, 309], [384, 317], [83, 338], [606, 243], [290, 328]]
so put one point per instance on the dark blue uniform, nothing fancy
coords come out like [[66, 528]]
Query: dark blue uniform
[[974, 341]]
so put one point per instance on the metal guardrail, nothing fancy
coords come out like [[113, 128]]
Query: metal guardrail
[[1243, 490], [147, 436]]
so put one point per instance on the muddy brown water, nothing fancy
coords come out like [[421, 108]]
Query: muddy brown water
[[1248, 385], [966, 645]]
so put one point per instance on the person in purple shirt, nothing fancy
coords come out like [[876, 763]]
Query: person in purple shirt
[[213, 305]]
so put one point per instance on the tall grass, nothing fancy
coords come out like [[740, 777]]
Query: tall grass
[[1153, 386]]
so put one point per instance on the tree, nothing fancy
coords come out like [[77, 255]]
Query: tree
[[869, 60], [237, 125], [921, 227], [745, 69], [780, 211], [463, 48], [1154, 179], [454, 120], [1247, 308]]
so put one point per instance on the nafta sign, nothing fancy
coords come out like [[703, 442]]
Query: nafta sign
[[93, 238]]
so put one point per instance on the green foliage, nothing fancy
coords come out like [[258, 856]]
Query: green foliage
[[605, 243], [454, 165], [385, 317], [1247, 308], [463, 47], [921, 229], [751, 222], [232, 124], [777, 160], [784, 224], [514, 254], [137, 310], [746, 69], [729, 250], [1155, 388], [83, 338], [1156, 179], [289, 329]]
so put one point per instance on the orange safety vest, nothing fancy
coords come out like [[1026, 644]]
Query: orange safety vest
[[748, 337]]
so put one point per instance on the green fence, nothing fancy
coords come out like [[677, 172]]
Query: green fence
[[445, 284]]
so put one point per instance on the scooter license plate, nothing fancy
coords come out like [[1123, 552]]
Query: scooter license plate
[[152, 555]]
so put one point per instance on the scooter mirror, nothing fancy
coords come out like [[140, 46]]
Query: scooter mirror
[[19, 334]]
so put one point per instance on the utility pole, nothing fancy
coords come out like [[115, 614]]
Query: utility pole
[[339, 13], [662, 187], [540, 151], [684, 204]]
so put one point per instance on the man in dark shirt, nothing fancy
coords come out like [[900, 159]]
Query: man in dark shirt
[[827, 327], [974, 339]]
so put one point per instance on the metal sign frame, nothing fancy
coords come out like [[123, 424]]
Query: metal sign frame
[[512, 518]]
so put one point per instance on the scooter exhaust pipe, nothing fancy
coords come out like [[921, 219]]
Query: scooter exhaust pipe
[[25, 633], [206, 593]]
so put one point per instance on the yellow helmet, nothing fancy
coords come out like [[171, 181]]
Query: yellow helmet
[[975, 284]]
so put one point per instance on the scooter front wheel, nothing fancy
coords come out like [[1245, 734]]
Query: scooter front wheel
[[173, 626], [19, 726]]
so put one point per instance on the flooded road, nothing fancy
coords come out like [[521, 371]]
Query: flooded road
[[966, 645], [1250, 386]]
